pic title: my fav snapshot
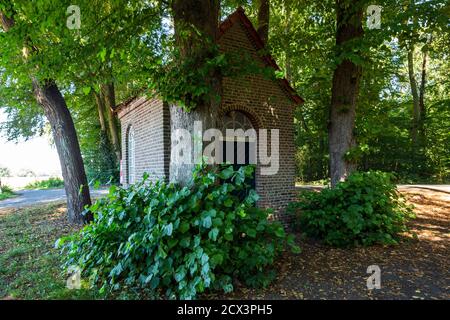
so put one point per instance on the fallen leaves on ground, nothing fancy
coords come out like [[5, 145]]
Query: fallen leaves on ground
[[417, 268]]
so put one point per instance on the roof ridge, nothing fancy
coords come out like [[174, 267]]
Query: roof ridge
[[239, 15]]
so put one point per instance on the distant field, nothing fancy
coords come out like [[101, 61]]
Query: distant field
[[18, 183]]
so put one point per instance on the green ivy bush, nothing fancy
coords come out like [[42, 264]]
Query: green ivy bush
[[363, 210], [179, 241]]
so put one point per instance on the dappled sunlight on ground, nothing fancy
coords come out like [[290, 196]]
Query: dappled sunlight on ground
[[418, 268], [433, 215]]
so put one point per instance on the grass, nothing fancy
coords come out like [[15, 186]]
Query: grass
[[50, 183], [29, 263], [6, 193], [415, 269]]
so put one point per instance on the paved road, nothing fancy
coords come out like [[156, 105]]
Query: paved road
[[32, 197]]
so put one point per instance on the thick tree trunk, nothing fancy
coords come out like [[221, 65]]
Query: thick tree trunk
[[66, 141], [110, 101], [203, 15], [263, 19], [100, 102], [344, 93], [415, 97]]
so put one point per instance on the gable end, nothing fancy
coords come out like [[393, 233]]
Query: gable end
[[239, 17]]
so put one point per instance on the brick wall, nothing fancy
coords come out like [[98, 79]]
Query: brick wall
[[150, 122], [264, 102], [268, 106]]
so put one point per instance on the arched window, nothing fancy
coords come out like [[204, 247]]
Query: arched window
[[236, 120], [131, 158]]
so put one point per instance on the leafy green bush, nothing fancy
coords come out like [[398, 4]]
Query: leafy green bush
[[179, 241], [6, 189], [363, 210], [50, 183], [6, 192]]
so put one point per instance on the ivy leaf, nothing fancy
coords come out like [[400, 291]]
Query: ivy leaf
[[184, 227], [217, 259], [227, 173], [180, 274], [251, 233], [168, 230], [228, 202], [213, 233], [207, 222]]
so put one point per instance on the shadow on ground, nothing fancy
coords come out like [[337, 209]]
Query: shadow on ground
[[418, 268]]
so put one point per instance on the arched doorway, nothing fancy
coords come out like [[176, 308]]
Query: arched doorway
[[239, 142]]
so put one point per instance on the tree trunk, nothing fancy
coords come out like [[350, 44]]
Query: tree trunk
[[101, 110], [344, 93], [110, 101], [109, 95], [66, 141], [204, 16], [422, 107], [415, 96], [263, 20]]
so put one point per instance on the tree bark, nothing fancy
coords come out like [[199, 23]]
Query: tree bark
[[263, 20], [101, 110], [203, 15], [110, 101], [345, 88], [66, 141], [415, 97], [422, 107]]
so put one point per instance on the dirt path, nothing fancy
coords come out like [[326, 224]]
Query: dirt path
[[418, 268], [415, 269]]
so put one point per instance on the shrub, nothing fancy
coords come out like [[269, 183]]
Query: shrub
[[50, 183], [363, 210], [179, 241], [6, 192], [6, 189]]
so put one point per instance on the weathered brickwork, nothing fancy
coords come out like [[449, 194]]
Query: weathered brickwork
[[266, 103], [151, 124], [269, 107]]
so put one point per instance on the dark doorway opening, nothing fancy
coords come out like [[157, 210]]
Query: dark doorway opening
[[240, 153]]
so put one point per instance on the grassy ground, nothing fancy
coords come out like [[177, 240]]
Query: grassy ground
[[51, 183], [416, 269], [29, 264], [6, 195]]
